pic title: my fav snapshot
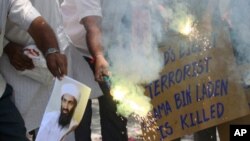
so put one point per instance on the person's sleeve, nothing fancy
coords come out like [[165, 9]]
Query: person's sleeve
[[88, 8], [22, 13]]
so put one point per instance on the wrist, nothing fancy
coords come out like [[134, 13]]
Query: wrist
[[98, 55], [51, 51]]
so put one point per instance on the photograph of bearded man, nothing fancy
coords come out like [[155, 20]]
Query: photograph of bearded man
[[56, 124]]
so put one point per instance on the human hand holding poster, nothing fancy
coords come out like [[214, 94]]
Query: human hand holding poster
[[64, 110]]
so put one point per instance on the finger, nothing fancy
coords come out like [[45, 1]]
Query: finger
[[19, 68], [65, 64], [52, 68], [54, 65], [59, 74], [29, 65], [17, 65], [62, 66], [56, 73], [99, 78], [105, 72], [26, 62], [98, 74]]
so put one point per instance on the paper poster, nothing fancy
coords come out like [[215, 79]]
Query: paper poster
[[64, 111]]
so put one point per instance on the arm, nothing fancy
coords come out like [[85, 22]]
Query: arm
[[92, 25], [45, 38], [26, 16]]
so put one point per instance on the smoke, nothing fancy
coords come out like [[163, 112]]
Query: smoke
[[130, 96], [235, 13], [175, 14], [213, 17], [240, 29], [132, 31]]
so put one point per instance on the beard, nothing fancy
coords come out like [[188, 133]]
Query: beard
[[65, 118]]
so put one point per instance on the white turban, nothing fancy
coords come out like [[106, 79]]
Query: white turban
[[70, 89]]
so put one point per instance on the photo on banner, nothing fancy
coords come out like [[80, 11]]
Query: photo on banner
[[64, 111]]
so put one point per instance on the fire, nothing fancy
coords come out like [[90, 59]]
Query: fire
[[130, 98], [138, 108], [186, 28], [119, 93]]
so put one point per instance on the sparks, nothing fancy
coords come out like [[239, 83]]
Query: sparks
[[137, 108], [130, 97]]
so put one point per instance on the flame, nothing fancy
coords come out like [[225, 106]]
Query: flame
[[138, 108], [130, 98], [186, 27], [119, 92]]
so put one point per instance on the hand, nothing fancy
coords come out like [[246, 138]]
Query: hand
[[17, 58], [57, 64], [101, 68]]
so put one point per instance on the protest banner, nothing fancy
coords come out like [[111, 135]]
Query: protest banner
[[199, 87]]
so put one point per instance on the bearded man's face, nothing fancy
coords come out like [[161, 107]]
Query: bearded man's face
[[68, 105]]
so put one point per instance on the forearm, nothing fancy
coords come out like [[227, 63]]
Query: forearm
[[93, 38], [43, 35], [93, 35], [45, 39]]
